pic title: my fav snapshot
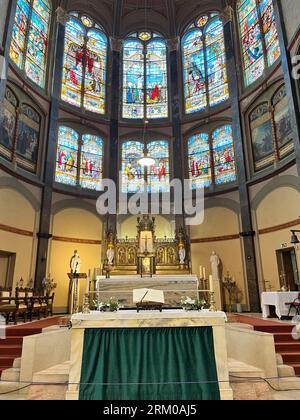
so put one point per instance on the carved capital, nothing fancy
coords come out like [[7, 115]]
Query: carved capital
[[115, 44], [173, 44], [227, 14], [62, 16]]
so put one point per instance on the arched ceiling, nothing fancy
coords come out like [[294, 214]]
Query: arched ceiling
[[169, 17]]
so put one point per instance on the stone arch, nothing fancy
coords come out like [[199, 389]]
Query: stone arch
[[14, 184]]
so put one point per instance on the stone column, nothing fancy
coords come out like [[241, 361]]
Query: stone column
[[247, 233], [291, 84], [8, 11], [44, 234]]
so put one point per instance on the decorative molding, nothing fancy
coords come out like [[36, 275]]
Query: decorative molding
[[115, 44], [76, 240], [215, 239], [13, 184], [290, 181], [75, 204], [62, 16], [279, 227], [16, 231], [227, 203], [227, 14]]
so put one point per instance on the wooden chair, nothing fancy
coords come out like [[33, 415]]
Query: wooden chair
[[23, 305], [7, 308], [294, 305], [50, 302]]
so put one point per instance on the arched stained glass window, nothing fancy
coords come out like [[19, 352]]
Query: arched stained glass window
[[145, 79], [158, 176], [79, 159], [67, 156], [91, 172], [211, 158], [223, 155], [84, 73], [260, 44], [132, 172], [199, 161], [135, 177], [30, 35], [204, 64]]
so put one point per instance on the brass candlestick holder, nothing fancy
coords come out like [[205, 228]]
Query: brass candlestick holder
[[213, 307], [86, 305]]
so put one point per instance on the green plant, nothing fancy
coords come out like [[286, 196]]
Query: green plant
[[192, 304]]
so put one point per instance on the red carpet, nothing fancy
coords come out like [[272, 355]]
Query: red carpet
[[285, 345], [11, 347]]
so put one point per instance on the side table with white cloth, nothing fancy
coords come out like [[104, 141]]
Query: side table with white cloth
[[279, 300]]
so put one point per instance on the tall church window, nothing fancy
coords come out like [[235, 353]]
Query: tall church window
[[204, 64], [259, 38], [29, 45], [145, 78], [85, 62], [79, 159], [211, 158], [135, 178]]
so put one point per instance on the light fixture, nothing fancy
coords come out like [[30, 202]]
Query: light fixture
[[146, 161], [294, 238]]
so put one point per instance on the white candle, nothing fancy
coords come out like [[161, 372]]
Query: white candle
[[204, 273], [211, 283], [200, 272], [88, 279]]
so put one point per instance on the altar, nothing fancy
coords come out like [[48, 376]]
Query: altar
[[279, 300], [173, 355]]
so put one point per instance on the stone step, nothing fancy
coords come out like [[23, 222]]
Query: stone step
[[13, 388], [11, 375], [285, 371], [288, 347], [286, 384], [10, 350], [283, 338], [17, 363], [291, 357], [239, 370], [279, 359]]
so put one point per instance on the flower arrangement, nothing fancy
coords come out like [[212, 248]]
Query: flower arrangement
[[192, 304], [49, 284], [112, 305]]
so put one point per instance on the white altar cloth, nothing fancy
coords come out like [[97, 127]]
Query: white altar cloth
[[279, 300]]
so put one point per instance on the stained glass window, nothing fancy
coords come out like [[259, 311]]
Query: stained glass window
[[30, 34], [211, 158], [158, 176], [223, 155], [67, 156], [84, 73], [135, 177], [199, 161], [91, 172], [260, 44], [79, 159], [204, 64], [145, 79]]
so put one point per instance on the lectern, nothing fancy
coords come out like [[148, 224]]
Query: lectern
[[73, 299]]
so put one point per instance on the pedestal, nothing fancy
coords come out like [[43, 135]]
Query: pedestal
[[74, 292]]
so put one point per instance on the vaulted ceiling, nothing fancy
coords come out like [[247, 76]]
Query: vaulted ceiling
[[169, 17]]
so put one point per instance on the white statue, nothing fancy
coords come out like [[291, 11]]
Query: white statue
[[182, 255], [215, 262], [110, 255], [75, 263]]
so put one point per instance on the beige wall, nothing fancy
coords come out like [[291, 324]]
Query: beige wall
[[219, 221], [17, 212], [279, 207], [76, 224]]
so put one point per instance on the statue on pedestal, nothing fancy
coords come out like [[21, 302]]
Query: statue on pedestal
[[75, 263], [110, 253], [181, 246], [215, 263]]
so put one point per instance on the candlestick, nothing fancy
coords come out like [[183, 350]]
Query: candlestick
[[201, 272], [86, 304], [212, 303], [204, 273], [211, 283]]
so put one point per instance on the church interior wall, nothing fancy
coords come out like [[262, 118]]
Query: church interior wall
[[276, 211], [223, 225], [291, 15], [19, 225], [79, 229], [164, 226]]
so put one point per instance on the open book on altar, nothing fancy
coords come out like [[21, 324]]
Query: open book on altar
[[148, 296]]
